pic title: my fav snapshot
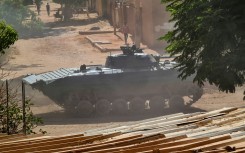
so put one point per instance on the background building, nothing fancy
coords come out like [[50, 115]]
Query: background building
[[147, 19]]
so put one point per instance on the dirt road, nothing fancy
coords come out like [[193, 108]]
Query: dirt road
[[62, 46]]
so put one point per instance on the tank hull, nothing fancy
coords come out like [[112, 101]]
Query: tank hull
[[69, 91]]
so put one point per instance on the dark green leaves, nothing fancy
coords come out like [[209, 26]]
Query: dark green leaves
[[20, 17], [7, 36], [209, 36]]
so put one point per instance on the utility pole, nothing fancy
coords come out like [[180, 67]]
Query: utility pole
[[24, 107], [138, 24], [114, 16], [7, 92]]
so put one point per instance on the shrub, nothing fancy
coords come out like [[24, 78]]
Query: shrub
[[15, 113], [21, 18]]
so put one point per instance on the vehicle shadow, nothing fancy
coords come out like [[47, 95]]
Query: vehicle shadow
[[63, 118]]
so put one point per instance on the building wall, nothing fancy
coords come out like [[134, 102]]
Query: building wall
[[102, 7], [92, 5], [154, 22], [147, 22], [154, 19], [130, 20], [160, 23], [98, 7]]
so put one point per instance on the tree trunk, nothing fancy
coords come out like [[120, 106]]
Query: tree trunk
[[67, 13]]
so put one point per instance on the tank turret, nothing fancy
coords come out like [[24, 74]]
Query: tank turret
[[131, 58], [130, 50]]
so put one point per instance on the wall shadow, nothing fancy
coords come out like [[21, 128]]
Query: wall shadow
[[57, 28], [73, 22], [21, 67]]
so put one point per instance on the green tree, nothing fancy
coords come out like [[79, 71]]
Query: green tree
[[209, 39], [20, 17], [15, 123], [7, 36]]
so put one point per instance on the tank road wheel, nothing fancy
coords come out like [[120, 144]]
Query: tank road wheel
[[137, 104], [195, 93], [103, 107], [176, 102], [70, 103], [84, 108], [157, 103], [120, 106]]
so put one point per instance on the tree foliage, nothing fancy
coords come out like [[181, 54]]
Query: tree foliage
[[209, 39], [15, 124], [20, 17], [7, 36]]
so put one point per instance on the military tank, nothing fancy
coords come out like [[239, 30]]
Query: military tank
[[132, 81]]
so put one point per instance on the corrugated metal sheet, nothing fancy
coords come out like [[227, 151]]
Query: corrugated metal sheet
[[48, 77], [218, 131], [51, 76]]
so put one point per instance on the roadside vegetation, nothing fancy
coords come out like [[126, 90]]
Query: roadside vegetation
[[11, 111], [20, 17], [209, 38], [13, 124]]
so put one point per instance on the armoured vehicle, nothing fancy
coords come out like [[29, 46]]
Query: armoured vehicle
[[131, 81]]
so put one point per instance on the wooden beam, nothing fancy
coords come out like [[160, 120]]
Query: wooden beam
[[43, 142], [117, 144], [134, 146], [37, 140], [21, 138], [191, 146], [80, 144], [152, 146], [220, 144]]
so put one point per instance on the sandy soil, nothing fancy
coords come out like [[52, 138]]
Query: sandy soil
[[62, 46]]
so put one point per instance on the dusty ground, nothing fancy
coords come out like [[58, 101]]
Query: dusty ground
[[62, 46]]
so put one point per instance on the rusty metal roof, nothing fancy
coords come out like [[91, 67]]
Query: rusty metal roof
[[217, 131]]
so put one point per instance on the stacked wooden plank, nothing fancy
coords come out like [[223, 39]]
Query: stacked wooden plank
[[217, 131]]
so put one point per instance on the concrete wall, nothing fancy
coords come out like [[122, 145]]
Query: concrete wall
[[160, 23], [91, 5], [130, 13], [98, 7], [154, 19], [154, 22], [102, 7], [147, 22]]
